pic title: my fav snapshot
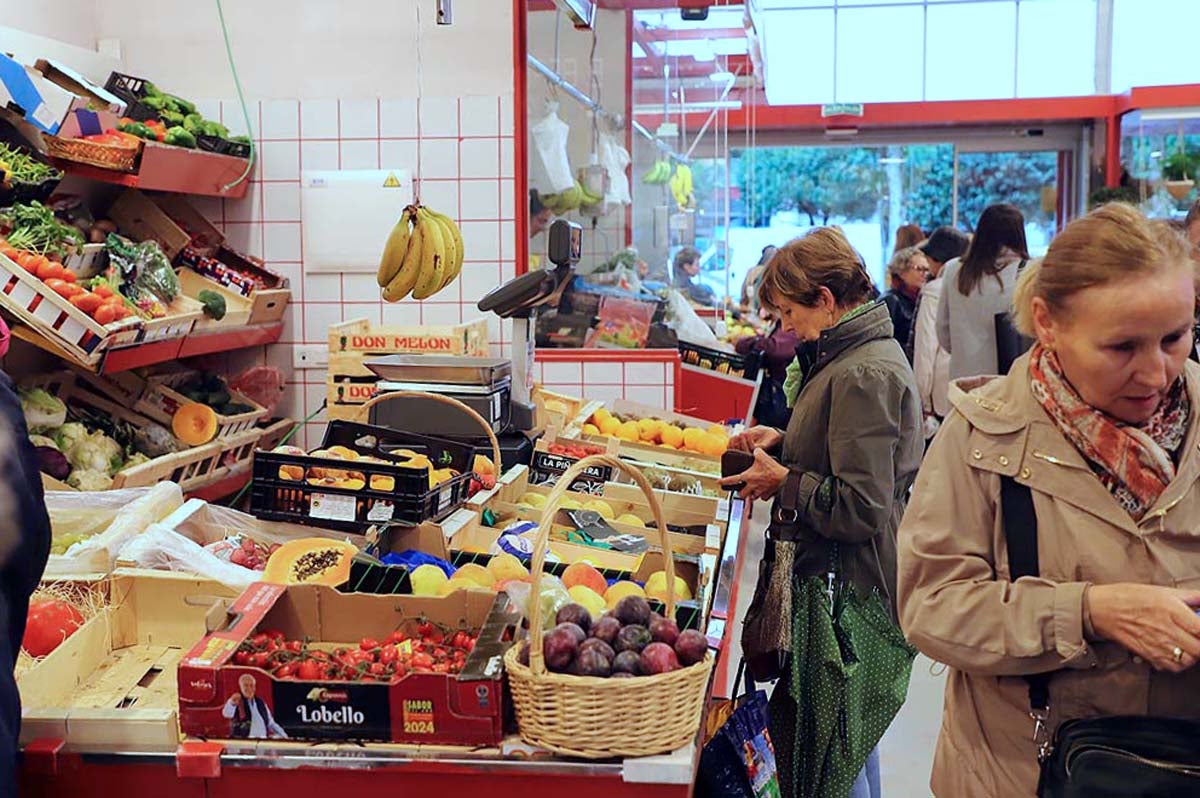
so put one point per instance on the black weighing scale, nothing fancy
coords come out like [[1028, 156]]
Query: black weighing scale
[[498, 389]]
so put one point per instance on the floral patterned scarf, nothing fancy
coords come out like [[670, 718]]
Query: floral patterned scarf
[[1135, 463]]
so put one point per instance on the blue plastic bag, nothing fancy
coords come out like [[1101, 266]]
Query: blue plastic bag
[[413, 558]]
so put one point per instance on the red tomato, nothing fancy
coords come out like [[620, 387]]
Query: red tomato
[[48, 269], [285, 671], [105, 314], [86, 301], [69, 276], [396, 637], [376, 669], [103, 291], [388, 654], [368, 644], [422, 662], [48, 624], [309, 670]]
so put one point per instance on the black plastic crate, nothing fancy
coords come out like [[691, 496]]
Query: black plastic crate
[[237, 149], [730, 363], [131, 89], [407, 499]]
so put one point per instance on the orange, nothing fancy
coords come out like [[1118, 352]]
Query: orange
[[648, 429], [591, 429], [692, 437], [599, 416], [719, 430]]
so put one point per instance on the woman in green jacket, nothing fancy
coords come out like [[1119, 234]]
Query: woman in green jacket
[[838, 475]]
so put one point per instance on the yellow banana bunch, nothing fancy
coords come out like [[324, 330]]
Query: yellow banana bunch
[[423, 254], [681, 186]]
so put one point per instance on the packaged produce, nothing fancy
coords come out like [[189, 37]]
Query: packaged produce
[[334, 666]]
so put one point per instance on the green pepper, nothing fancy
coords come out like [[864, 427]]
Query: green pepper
[[192, 122], [171, 118], [211, 128], [156, 102], [185, 106], [180, 137], [240, 139], [151, 90], [138, 129]]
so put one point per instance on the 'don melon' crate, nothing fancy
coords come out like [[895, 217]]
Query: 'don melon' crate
[[162, 399], [360, 336]]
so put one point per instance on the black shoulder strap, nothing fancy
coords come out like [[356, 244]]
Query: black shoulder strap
[[1020, 535]]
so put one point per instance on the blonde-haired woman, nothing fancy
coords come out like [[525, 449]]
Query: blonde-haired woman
[[840, 472], [1097, 425]]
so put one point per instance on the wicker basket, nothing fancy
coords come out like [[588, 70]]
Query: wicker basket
[[597, 718], [93, 153]]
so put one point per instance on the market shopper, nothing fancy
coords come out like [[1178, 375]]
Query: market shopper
[[24, 548], [540, 216], [907, 272], [683, 277], [1099, 423], [931, 363], [839, 473], [908, 235], [754, 277], [978, 288]]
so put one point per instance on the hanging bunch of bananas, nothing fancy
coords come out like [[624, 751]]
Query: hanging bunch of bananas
[[423, 255], [658, 174], [681, 186], [570, 200]]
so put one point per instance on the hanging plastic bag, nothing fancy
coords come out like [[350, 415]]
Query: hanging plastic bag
[[615, 159], [550, 167], [687, 325]]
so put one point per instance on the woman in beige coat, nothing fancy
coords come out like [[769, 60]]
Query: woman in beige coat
[[1099, 420]]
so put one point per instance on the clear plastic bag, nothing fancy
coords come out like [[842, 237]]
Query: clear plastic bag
[[550, 167], [687, 325], [163, 549], [102, 523], [616, 160], [554, 598]]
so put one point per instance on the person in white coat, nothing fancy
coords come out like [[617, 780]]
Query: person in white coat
[[931, 363]]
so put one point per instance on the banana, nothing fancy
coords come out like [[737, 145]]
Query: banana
[[410, 267], [454, 247], [393, 251], [433, 255]]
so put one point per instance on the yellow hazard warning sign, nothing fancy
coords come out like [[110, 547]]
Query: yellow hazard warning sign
[[392, 181]]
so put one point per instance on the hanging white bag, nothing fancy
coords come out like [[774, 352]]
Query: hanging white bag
[[550, 168]]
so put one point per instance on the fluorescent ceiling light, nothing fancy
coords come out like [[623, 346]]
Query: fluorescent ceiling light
[[657, 110], [1156, 154]]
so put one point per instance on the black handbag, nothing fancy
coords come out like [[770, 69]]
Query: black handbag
[[1010, 344], [1111, 756]]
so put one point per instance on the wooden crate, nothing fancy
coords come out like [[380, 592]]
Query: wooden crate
[[230, 268], [182, 315], [359, 335], [161, 400], [237, 307], [274, 431], [202, 236], [82, 338], [111, 685], [141, 219], [191, 468]]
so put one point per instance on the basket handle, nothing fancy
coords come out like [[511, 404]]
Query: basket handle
[[364, 413], [536, 662]]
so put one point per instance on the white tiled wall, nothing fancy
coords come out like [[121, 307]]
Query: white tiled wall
[[649, 383], [461, 150]]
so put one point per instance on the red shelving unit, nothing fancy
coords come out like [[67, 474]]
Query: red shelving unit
[[175, 169]]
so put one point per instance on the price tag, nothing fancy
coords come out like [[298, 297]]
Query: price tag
[[712, 537], [444, 497], [723, 508], [330, 507], [381, 511]]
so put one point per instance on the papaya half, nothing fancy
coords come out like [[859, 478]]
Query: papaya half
[[317, 561]]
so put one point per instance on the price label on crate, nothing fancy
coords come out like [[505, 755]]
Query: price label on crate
[[548, 467], [331, 507], [381, 511]]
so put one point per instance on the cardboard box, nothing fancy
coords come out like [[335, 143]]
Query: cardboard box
[[111, 685], [36, 98], [97, 97], [434, 708]]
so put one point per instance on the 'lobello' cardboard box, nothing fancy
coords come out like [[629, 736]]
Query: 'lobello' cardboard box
[[462, 709]]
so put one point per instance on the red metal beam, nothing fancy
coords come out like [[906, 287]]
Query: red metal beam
[[639, 34], [914, 114]]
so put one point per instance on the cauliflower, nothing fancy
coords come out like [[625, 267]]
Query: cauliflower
[[96, 452], [83, 479], [42, 410], [66, 435], [42, 440], [137, 459]]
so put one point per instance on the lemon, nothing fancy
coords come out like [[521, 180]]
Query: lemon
[[427, 580], [475, 573], [589, 599], [656, 587], [620, 590], [604, 508], [506, 566], [536, 500], [631, 519]]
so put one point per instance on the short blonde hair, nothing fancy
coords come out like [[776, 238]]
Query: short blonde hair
[[822, 257], [1112, 242]]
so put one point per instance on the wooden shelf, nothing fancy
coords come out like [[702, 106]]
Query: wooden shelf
[[174, 169], [226, 486], [149, 354]]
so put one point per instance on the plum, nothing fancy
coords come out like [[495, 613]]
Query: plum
[[628, 663], [596, 644], [559, 647], [592, 662], [576, 614], [606, 629], [632, 638], [575, 631], [633, 611], [663, 631], [523, 653], [691, 647], [658, 658]]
